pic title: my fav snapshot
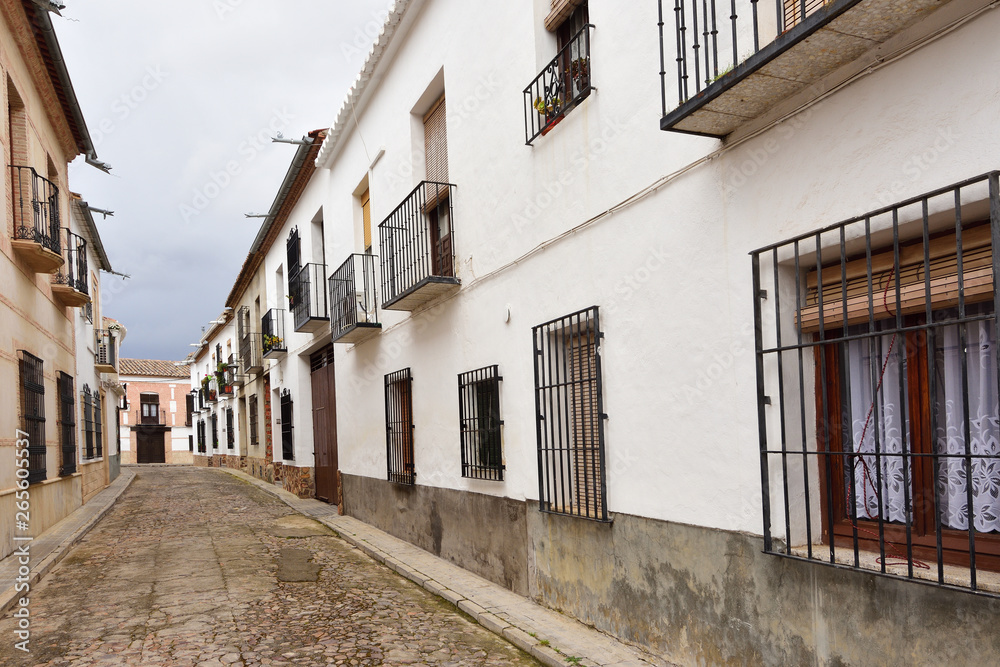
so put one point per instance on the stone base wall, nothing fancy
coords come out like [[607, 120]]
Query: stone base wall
[[300, 481], [179, 457], [202, 461], [261, 469], [95, 477], [128, 457], [234, 462]]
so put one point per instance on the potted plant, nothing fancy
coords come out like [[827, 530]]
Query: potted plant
[[551, 109], [271, 342], [579, 69]]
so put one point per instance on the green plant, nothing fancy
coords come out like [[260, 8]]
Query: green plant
[[271, 342], [543, 642], [573, 660]]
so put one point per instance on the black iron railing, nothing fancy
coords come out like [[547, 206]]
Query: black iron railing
[[479, 423], [150, 415], [400, 466], [560, 86], [308, 295], [202, 436], [287, 447], [74, 272], [570, 416], [417, 239], [230, 429], [67, 418], [272, 328], [352, 295], [36, 208], [877, 384], [251, 351], [210, 389], [105, 352], [712, 37]]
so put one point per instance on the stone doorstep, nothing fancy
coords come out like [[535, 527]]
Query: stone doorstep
[[518, 626], [74, 526]]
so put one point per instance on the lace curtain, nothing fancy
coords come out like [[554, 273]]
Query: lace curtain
[[889, 426]]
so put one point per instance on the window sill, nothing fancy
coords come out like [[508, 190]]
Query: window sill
[[954, 575]]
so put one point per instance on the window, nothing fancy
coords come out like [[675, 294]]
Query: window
[[67, 421], [230, 430], [33, 412], [479, 423], [570, 412], [889, 377], [88, 423], [201, 436], [293, 257], [287, 450], [399, 427], [189, 405], [438, 212], [366, 217], [215, 430], [149, 403], [99, 423], [253, 421]]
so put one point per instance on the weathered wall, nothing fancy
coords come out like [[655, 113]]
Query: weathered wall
[[483, 534], [48, 503], [711, 597], [95, 477], [261, 469]]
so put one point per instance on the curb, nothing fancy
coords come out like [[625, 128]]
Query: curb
[[38, 572]]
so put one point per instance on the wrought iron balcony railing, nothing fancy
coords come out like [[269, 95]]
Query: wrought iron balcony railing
[[417, 239], [156, 418], [738, 58], [559, 87], [272, 328], [210, 389], [234, 375], [70, 285], [354, 311], [308, 298], [105, 351], [36, 219], [251, 351]]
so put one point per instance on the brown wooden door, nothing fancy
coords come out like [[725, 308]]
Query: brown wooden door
[[149, 447], [324, 409]]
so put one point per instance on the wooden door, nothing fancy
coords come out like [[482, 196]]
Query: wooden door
[[149, 447], [324, 413]]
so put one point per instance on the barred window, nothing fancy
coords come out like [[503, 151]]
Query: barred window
[[570, 413], [253, 421], [479, 423], [230, 431], [67, 420], [99, 424], [287, 450], [33, 410], [399, 427], [201, 436], [877, 388], [189, 402], [88, 423], [215, 430]]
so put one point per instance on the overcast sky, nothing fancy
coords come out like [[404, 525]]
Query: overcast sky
[[180, 98]]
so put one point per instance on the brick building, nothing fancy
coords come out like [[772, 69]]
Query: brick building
[[156, 413]]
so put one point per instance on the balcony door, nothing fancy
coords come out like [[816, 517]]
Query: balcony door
[[149, 408], [324, 407], [437, 206]]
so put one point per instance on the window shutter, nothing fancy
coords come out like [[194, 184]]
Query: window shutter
[[580, 353], [977, 281], [436, 143], [561, 10], [366, 212]]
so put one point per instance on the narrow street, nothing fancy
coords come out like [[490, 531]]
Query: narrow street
[[195, 567]]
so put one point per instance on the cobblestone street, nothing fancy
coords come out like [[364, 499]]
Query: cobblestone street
[[195, 567]]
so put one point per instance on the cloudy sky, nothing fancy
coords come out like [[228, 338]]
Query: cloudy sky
[[181, 98]]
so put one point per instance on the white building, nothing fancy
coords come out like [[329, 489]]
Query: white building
[[568, 367]]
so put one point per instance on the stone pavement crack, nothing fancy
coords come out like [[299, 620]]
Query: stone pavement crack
[[184, 570]]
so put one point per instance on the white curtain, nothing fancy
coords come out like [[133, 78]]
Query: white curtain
[[885, 426], [984, 433]]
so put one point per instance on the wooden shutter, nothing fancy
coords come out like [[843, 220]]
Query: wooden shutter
[[561, 10], [366, 213], [977, 279], [581, 355], [436, 143]]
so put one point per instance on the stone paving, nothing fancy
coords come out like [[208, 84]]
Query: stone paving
[[193, 567]]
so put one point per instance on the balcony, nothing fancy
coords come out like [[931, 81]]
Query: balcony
[[354, 311], [155, 416], [36, 220], [251, 350], [560, 86], [308, 298], [418, 263], [70, 285], [234, 375], [105, 352], [272, 327], [732, 71], [210, 389]]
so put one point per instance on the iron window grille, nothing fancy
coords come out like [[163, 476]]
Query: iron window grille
[[479, 423], [190, 442], [230, 431], [877, 385], [189, 408], [417, 242], [74, 272], [272, 327], [253, 420], [33, 412], [569, 407], [215, 431], [201, 436], [67, 419], [287, 449], [88, 311], [399, 427], [88, 423], [105, 353], [561, 85], [98, 423], [36, 208], [353, 304], [308, 295]]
